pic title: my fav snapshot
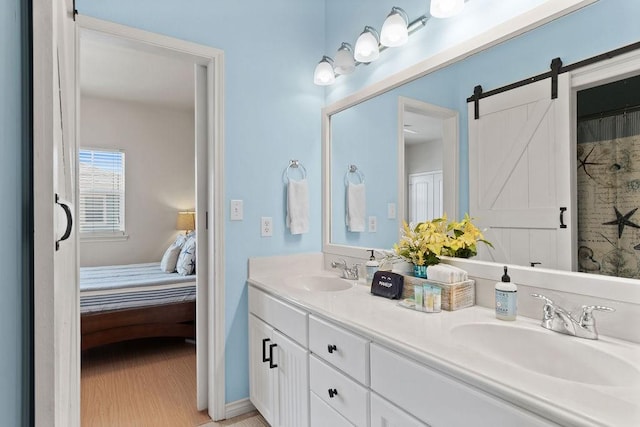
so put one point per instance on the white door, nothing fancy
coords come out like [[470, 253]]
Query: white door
[[56, 306], [520, 175], [262, 369], [203, 281], [293, 383], [425, 196]]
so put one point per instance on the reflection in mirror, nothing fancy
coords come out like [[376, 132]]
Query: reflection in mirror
[[422, 135], [392, 139]]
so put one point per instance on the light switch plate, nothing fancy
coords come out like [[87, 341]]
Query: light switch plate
[[236, 210], [391, 211]]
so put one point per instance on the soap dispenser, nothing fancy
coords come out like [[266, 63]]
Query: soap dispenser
[[506, 298], [372, 266]]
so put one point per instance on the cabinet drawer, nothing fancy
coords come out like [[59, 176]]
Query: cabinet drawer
[[322, 415], [384, 414], [439, 400], [343, 394], [283, 317], [341, 348]]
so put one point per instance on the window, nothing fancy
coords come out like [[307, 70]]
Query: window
[[101, 192]]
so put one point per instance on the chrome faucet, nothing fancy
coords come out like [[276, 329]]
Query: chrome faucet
[[560, 320], [350, 273]]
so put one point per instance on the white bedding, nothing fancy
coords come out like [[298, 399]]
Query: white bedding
[[128, 276], [136, 285]]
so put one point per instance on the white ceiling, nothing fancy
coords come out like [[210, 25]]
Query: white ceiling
[[426, 128], [119, 69]]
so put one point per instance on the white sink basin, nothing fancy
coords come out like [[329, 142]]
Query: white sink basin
[[319, 283], [548, 353]]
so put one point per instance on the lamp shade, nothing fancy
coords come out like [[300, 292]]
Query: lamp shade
[[324, 74], [344, 63], [394, 30], [186, 221], [445, 8], [367, 49]]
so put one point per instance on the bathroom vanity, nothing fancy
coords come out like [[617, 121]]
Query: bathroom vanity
[[337, 355]]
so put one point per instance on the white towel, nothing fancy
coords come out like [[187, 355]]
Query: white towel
[[298, 206], [356, 207], [446, 273]]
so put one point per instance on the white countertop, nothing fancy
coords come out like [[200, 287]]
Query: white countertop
[[426, 337]]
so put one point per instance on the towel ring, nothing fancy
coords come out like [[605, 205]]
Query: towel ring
[[353, 169], [293, 164]]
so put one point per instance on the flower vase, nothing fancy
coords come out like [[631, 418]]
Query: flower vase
[[420, 271]]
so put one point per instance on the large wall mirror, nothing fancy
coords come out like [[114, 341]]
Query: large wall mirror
[[370, 130]]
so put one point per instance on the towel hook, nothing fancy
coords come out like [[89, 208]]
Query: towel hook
[[293, 164], [353, 169]]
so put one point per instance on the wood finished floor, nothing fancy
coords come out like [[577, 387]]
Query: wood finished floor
[[140, 383]]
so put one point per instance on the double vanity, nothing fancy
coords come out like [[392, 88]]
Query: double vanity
[[324, 351]]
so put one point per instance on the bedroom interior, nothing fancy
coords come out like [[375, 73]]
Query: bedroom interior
[[137, 220]]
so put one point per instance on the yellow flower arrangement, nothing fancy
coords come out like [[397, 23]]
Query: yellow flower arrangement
[[427, 241], [464, 238], [423, 244]]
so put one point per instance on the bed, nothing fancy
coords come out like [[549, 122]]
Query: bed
[[125, 302]]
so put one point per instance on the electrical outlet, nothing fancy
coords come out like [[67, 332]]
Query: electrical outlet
[[391, 211], [373, 224], [266, 226], [236, 210]]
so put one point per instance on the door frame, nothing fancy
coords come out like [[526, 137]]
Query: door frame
[[213, 60]]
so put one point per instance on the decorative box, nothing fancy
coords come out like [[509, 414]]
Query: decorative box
[[454, 295]]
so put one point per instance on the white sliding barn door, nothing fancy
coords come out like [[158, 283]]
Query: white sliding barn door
[[520, 175], [56, 306]]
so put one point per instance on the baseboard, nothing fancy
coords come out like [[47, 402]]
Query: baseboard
[[239, 407]]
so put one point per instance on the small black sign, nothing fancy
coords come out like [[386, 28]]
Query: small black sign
[[387, 284]]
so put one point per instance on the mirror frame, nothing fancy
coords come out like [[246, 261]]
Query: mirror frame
[[513, 27]]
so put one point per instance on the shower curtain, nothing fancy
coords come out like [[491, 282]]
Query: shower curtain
[[608, 185]]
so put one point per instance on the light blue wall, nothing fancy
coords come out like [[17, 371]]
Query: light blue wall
[[11, 357], [272, 115], [600, 27]]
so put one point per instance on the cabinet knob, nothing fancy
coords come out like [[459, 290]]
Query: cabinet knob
[[333, 393], [331, 348]]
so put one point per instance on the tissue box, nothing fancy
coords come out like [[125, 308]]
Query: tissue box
[[454, 295]]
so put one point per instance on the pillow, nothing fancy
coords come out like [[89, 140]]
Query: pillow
[[186, 264], [170, 257]]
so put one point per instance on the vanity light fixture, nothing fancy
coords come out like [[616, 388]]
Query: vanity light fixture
[[394, 31], [445, 8], [367, 46], [324, 74], [344, 62]]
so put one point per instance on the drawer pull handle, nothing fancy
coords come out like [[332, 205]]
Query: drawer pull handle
[[271, 364], [264, 350], [331, 348], [333, 393]]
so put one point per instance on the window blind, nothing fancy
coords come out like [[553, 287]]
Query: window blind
[[101, 181]]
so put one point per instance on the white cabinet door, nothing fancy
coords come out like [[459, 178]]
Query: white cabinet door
[[384, 414], [262, 370], [520, 175], [292, 382]]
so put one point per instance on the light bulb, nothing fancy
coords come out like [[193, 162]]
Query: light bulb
[[324, 74], [394, 30], [344, 62], [445, 8], [367, 49]]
